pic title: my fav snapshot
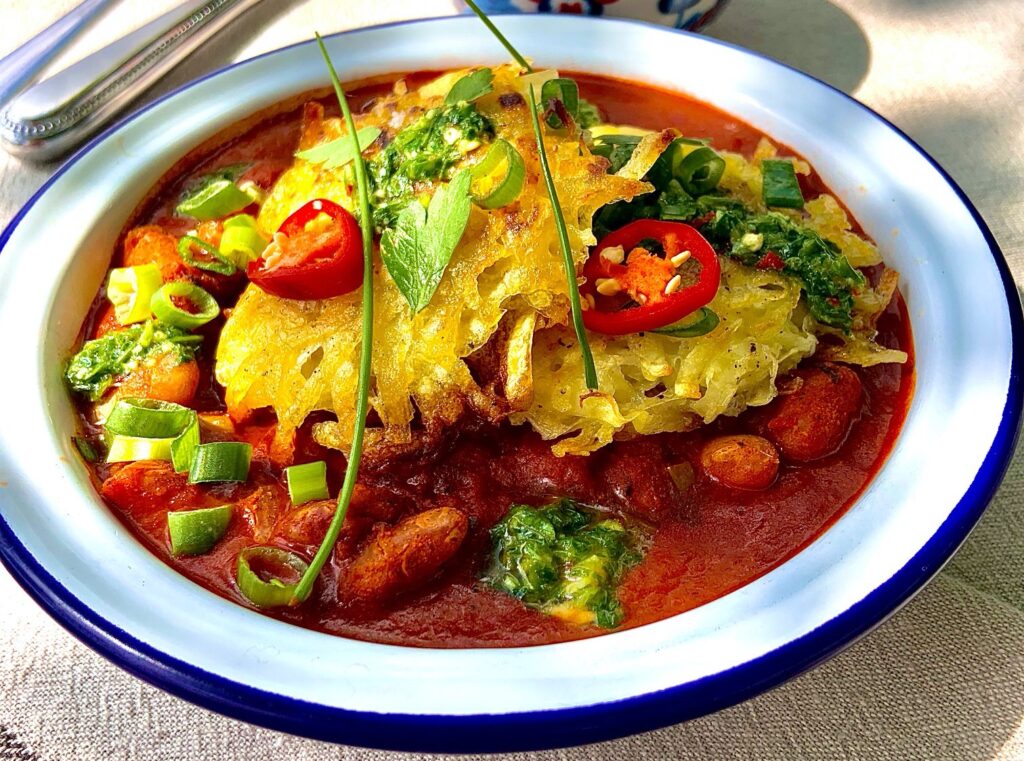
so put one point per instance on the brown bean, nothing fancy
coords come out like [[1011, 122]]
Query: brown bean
[[813, 420], [741, 462], [637, 479], [400, 557]]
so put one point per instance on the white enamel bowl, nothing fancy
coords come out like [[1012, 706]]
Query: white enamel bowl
[[68, 550]]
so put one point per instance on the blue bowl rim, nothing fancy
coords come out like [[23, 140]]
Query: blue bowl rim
[[535, 730]]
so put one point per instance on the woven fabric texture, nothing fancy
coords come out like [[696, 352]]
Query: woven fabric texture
[[943, 679]]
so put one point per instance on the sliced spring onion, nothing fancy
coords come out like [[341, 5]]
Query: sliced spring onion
[[216, 197], [216, 262], [779, 184], [148, 418], [589, 369], [194, 532], [87, 448], [133, 449], [565, 90], [220, 461], [699, 171], [241, 241], [700, 323], [259, 575], [498, 179], [165, 309], [307, 482], [129, 289], [184, 446]]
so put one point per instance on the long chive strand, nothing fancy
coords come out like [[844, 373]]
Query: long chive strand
[[305, 586], [589, 370], [497, 33]]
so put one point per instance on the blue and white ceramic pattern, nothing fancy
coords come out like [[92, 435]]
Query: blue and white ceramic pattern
[[81, 564], [683, 14]]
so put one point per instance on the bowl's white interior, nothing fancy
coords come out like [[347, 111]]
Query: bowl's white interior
[[57, 256]]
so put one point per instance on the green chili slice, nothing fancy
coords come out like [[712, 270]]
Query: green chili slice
[[307, 482], [165, 309], [268, 577], [700, 323], [130, 289], [779, 184], [220, 461], [216, 263], [194, 532], [498, 179], [242, 242], [217, 196], [565, 90]]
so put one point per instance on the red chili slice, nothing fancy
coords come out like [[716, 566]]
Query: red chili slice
[[648, 275], [316, 262]]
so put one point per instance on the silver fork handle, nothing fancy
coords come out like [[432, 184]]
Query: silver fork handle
[[56, 115]]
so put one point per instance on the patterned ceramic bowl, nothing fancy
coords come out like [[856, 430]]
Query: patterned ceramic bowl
[[684, 14]]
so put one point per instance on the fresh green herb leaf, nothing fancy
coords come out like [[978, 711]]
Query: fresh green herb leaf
[[590, 115], [470, 87], [497, 33], [565, 90], [305, 586], [589, 369], [339, 152], [418, 248]]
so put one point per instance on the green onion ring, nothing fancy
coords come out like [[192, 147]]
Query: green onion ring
[[130, 289], [134, 449], [508, 187], [220, 461], [700, 323], [194, 532], [184, 446], [221, 264], [700, 171], [268, 594], [307, 482], [242, 241], [165, 310], [148, 418], [217, 197]]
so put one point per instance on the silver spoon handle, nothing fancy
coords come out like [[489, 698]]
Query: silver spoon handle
[[20, 67], [56, 115]]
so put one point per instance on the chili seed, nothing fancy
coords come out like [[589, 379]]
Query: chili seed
[[679, 258], [673, 285], [614, 254], [607, 286]]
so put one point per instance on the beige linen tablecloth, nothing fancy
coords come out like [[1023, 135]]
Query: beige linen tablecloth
[[944, 679]]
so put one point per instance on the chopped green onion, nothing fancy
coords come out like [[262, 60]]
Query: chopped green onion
[[86, 448], [184, 446], [216, 263], [565, 90], [305, 586], [217, 196], [166, 310], [129, 289], [501, 38], [474, 85], [498, 179], [589, 370], [700, 323], [307, 482], [699, 171], [779, 184], [194, 532], [618, 139], [241, 241], [255, 564], [133, 449], [148, 418], [220, 461]]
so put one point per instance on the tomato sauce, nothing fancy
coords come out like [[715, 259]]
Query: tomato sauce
[[707, 540]]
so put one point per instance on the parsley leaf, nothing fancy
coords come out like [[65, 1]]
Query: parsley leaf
[[340, 151], [470, 87], [417, 249]]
